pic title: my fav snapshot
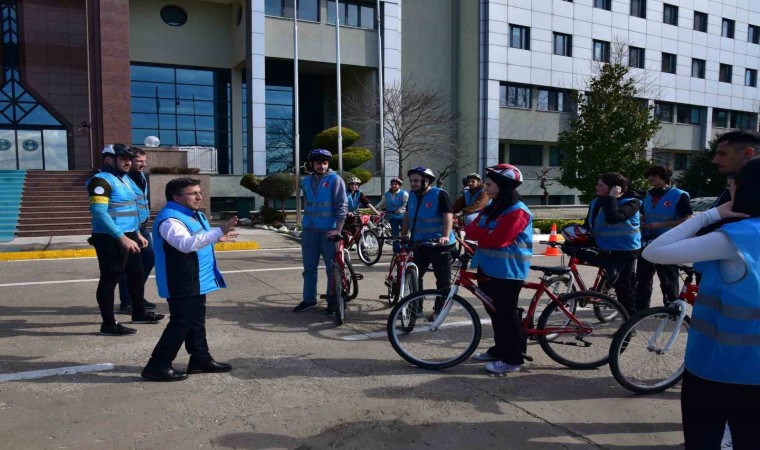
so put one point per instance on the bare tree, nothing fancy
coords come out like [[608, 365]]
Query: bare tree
[[542, 175], [418, 124]]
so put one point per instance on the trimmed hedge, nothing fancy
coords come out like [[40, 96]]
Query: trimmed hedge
[[328, 139], [545, 225], [159, 170]]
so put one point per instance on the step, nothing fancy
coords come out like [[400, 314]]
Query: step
[[29, 220], [72, 232], [52, 226]]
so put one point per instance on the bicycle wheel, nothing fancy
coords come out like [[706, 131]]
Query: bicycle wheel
[[353, 282], [339, 295], [368, 247], [422, 345], [609, 291], [638, 358], [557, 285], [566, 343]]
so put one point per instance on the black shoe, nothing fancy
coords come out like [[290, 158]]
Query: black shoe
[[116, 330], [206, 366], [149, 306], [125, 309], [330, 311], [165, 374], [149, 317], [303, 306]]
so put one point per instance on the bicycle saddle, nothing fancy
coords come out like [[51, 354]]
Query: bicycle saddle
[[558, 270]]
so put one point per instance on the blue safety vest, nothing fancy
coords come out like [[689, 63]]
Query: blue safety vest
[[184, 274], [624, 235], [724, 336], [394, 202], [469, 198], [319, 213], [664, 211], [425, 220], [353, 200], [122, 204], [511, 262], [142, 199]]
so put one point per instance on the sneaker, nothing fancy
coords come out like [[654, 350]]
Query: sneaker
[[502, 367], [149, 317], [149, 306], [116, 330], [303, 306], [330, 311], [125, 309], [483, 356]]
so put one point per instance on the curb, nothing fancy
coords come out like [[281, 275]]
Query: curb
[[90, 253]]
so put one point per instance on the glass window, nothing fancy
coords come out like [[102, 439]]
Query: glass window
[[603, 4], [697, 68], [563, 44], [750, 78], [670, 14], [307, 9], [742, 120], [556, 156], [753, 34], [279, 128], [525, 155], [669, 63], [553, 100], [636, 57], [663, 112], [700, 21], [519, 37], [680, 161], [353, 14], [720, 118], [515, 96], [727, 28], [725, 74], [689, 115], [639, 8], [601, 51]]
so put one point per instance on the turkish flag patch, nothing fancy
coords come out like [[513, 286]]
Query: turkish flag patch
[[667, 204], [326, 184]]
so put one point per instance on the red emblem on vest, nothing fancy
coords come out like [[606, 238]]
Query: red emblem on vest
[[326, 184], [667, 204], [428, 205]]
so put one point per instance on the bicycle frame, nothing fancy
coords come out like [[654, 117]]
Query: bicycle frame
[[686, 297]]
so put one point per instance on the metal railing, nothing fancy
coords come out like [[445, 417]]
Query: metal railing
[[204, 158]]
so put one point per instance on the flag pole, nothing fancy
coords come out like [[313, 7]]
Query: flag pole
[[381, 93], [296, 129], [337, 64]]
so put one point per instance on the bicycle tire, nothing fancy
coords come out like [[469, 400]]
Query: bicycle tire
[[450, 344], [636, 357], [368, 255], [609, 291], [585, 302], [339, 299], [353, 283], [411, 281]]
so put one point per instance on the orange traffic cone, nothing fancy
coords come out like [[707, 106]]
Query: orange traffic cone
[[552, 251]]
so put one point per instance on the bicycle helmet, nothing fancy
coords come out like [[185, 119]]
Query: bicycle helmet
[[507, 174], [464, 181], [577, 235], [118, 150], [397, 180], [354, 180], [473, 176], [319, 154], [423, 172]]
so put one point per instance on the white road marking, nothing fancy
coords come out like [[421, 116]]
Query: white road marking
[[31, 375], [422, 327]]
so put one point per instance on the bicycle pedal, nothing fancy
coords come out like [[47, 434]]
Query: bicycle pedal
[[385, 297], [358, 276], [527, 357]]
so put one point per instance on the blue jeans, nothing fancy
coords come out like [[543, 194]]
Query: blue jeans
[[395, 231], [313, 245], [148, 260]]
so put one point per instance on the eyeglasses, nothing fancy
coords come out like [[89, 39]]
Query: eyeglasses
[[193, 194]]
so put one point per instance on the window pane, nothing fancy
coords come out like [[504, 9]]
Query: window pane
[[203, 77], [147, 73], [352, 17], [331, 12], [367, 17], [308, 10], [273, 8], [152, 90], [526, 155]]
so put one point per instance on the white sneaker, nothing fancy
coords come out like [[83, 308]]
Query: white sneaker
[[483, 356], [502, 367]]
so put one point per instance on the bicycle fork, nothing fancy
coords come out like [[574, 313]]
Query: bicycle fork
[[651, 345], [444, 312]]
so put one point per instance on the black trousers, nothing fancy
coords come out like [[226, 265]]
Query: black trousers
[[440, 258], [508, 336], [668, 275], [621, 270], [187, 324], [706, 406], [114, 261]]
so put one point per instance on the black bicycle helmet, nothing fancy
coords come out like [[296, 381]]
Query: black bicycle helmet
[[118, 150], [319, 154], [422, 171]]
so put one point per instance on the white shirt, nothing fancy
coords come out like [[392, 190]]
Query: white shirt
[[681, 246], [178, 236]]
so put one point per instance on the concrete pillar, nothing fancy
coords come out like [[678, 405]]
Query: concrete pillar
[[707, 130], [256, 81], [236, 152]]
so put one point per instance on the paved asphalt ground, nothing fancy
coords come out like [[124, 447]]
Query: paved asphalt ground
[[297, 381]]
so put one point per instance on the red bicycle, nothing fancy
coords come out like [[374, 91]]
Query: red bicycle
[[344, 285], [436, 329], [403, 275]]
